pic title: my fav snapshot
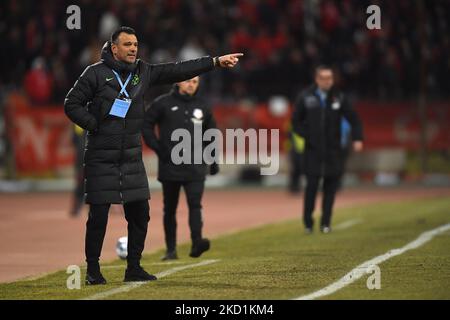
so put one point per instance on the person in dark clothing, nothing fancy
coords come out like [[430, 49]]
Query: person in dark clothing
[[79, 142], [108, 102], [317, 118], [181, 108]]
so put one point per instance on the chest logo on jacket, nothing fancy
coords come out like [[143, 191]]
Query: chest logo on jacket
[[135, 80], [198, 116], [336, 105]]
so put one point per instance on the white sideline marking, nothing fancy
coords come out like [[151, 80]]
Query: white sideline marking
[[134, 285], [361, 270], [347, 224]]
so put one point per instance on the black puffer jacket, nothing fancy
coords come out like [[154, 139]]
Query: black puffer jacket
[[321, 129], [170, 112], [114, 169]]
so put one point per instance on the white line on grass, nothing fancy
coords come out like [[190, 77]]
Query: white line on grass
[[361, 270], [347, 224], [133, 285]]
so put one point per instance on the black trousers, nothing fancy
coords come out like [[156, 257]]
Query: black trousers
[[171, 193], [137, 216], [329, 189]]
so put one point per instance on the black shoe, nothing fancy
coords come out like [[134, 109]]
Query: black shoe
[[199, 247], [170, 255], [138, 274], [95, 278]]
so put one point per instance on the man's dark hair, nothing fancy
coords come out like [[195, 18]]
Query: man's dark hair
[[322, 67], [116, 33]]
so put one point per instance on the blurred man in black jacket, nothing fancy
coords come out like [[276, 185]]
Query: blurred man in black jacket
[[317, 118], [182, 108]]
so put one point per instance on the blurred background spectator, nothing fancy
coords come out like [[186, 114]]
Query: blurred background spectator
[[282, 41]]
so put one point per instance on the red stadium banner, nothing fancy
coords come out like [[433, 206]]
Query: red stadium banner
[[41, 137], [398, 125]]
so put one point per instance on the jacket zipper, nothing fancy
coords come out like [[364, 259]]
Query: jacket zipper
[[120, 186], [120, 161]]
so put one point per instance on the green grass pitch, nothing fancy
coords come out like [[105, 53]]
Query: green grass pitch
[[279, 261]]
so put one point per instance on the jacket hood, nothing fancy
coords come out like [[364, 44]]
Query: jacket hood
[[119, 66]]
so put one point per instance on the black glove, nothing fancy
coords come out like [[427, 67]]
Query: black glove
[[213, 169]]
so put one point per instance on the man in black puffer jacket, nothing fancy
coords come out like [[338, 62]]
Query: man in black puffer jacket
[[108, 102], [181, 108]]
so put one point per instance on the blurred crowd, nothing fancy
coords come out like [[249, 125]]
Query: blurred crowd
[[282, 40]]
